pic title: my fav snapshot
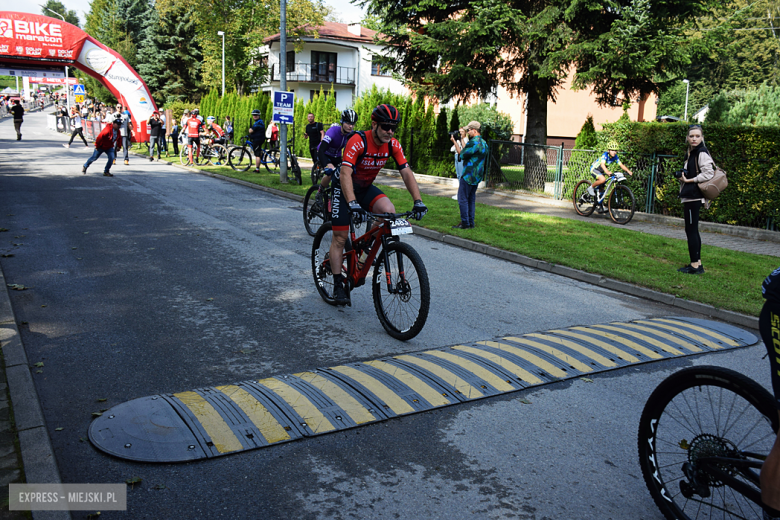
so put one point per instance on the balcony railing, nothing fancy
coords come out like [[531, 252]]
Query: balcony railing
[[307, 73]]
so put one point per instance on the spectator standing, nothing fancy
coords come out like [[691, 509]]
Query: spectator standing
[[163, 141], [464, 138], [125, 122], [274, 137], [107, 142], [229, 131], [84, 111], [76, 125], [18, 111], [698, 167], [174, 135], [155, 129], [474, 156], [257, 136], [314, 133]]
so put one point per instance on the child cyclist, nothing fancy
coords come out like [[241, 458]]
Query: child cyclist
[[600, 168]]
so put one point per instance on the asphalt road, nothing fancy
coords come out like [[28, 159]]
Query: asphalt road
[[160, 280]]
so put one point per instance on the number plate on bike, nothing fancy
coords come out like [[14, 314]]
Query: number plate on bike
[[400, 227]]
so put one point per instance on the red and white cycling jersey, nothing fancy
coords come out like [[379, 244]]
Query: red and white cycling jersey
[[193, 127], [366, 158], [215, 128]]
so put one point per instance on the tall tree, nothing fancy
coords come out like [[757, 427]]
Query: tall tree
[[465, 48], [59, 8]]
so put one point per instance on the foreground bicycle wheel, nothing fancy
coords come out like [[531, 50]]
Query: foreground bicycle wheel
[[704, 412], [320, 263], [217, 155], [314, 215], [183, 156], [402, 307], [583, 201], [240, 158], [621, 204]]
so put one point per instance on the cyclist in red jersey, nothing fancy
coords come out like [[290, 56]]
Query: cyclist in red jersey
[[194, 127], [214, 130], [354, 192]]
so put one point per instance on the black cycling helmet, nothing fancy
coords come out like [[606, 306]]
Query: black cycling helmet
[[386, 114], [195, 111], [255, 112], [349, 116]]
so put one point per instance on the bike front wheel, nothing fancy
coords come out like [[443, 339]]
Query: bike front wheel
[[271, 161], [240, 158], [584, 203], [402, 295], [320, 263], [314, 214], [704, 412], [184, 158], [621, 204], [218, 155]]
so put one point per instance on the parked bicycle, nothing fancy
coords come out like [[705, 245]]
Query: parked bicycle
[[620, 199], [399, 285], [207, 153], [317, 172], [703, 436]]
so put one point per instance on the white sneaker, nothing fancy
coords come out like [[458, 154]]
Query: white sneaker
[[66, 145], [454, 197], [591, 191]]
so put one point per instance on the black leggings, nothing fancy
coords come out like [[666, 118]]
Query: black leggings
[[769, 327], [77, 131], [691, 216]]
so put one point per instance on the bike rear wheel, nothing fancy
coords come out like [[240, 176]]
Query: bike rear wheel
[[217, 155], [271, 161], [240, 158], [621, 204], [584, 203], [320, 263], [202, 156], [314, 214], [184, 158], [703, 412], [402, 307]]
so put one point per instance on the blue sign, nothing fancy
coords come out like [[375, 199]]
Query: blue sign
[[284, 107], [78, 90]]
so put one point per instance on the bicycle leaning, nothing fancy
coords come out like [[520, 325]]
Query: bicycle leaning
[[621, 203], [703, 436], [400, 287]]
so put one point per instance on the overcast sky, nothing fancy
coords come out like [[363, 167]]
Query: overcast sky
[[347, 12]]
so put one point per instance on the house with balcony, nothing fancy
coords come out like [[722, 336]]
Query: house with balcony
[[342, 55]]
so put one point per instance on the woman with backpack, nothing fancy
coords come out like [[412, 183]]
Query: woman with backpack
[[698, 167]]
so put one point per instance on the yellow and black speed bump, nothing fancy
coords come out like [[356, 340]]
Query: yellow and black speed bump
[[214, 421]]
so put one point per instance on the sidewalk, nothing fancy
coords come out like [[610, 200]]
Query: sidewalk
[[643, 223]]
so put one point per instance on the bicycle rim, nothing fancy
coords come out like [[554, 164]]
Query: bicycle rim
[[239, 158], [403, 307], [218, 155], [320, 264], [703, 411], [583, 202], [621, 205]]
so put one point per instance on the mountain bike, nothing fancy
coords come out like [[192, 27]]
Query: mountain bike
[[212, 153], [317, 172], [400, 286], [184, 157], [293, 168], [621, 201], [703, 436], [316, 213], [241, 157]]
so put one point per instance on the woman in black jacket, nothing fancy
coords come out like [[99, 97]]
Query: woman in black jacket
[[698, 167]]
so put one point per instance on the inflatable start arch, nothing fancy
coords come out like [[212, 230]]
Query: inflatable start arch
[[30, 41]]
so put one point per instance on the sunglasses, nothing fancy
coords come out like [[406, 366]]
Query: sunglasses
[[388, 128]]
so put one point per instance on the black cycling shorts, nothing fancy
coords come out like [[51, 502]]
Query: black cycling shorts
[[257, 148], [193, 140], [769, 327], [340, 214]]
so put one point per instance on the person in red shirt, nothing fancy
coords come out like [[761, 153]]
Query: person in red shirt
[[274, 142], [215, 131], [354, 192], [106, 142], [193, 127]]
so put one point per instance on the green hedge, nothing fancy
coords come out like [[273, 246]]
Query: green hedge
[[748, 154]]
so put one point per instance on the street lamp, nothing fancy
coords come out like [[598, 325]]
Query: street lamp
[[687, 89], [221, 33]]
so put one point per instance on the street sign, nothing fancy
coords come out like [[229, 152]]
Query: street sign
[[284, 107], [79, 90], [79, 98]]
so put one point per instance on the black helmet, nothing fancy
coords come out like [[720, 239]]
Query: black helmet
[[386, 114], [255, 112], [349, 116], [195, 111]]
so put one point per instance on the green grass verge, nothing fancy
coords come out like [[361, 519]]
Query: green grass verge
[[732, 280]]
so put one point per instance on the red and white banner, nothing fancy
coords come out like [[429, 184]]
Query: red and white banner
[[55, 81], [35, 40]]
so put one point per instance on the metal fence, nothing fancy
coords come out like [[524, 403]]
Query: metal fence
[[555, 171]]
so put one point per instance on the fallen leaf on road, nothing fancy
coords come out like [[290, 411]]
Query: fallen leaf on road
[[43, 305], [2, 229], [102, 400], [16, 286], [587, 379], [59, 429], [133, 481], [39, 364], [209, 299], [97, 414], [7, 256], [39, 371], [524, 401]]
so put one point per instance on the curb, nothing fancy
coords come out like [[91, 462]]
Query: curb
[[568, 272], [40, 465]]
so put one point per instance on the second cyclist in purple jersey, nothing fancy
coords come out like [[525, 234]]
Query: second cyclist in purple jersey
[[330, 149]]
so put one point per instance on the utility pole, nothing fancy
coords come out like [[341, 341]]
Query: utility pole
[[283, 86]]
